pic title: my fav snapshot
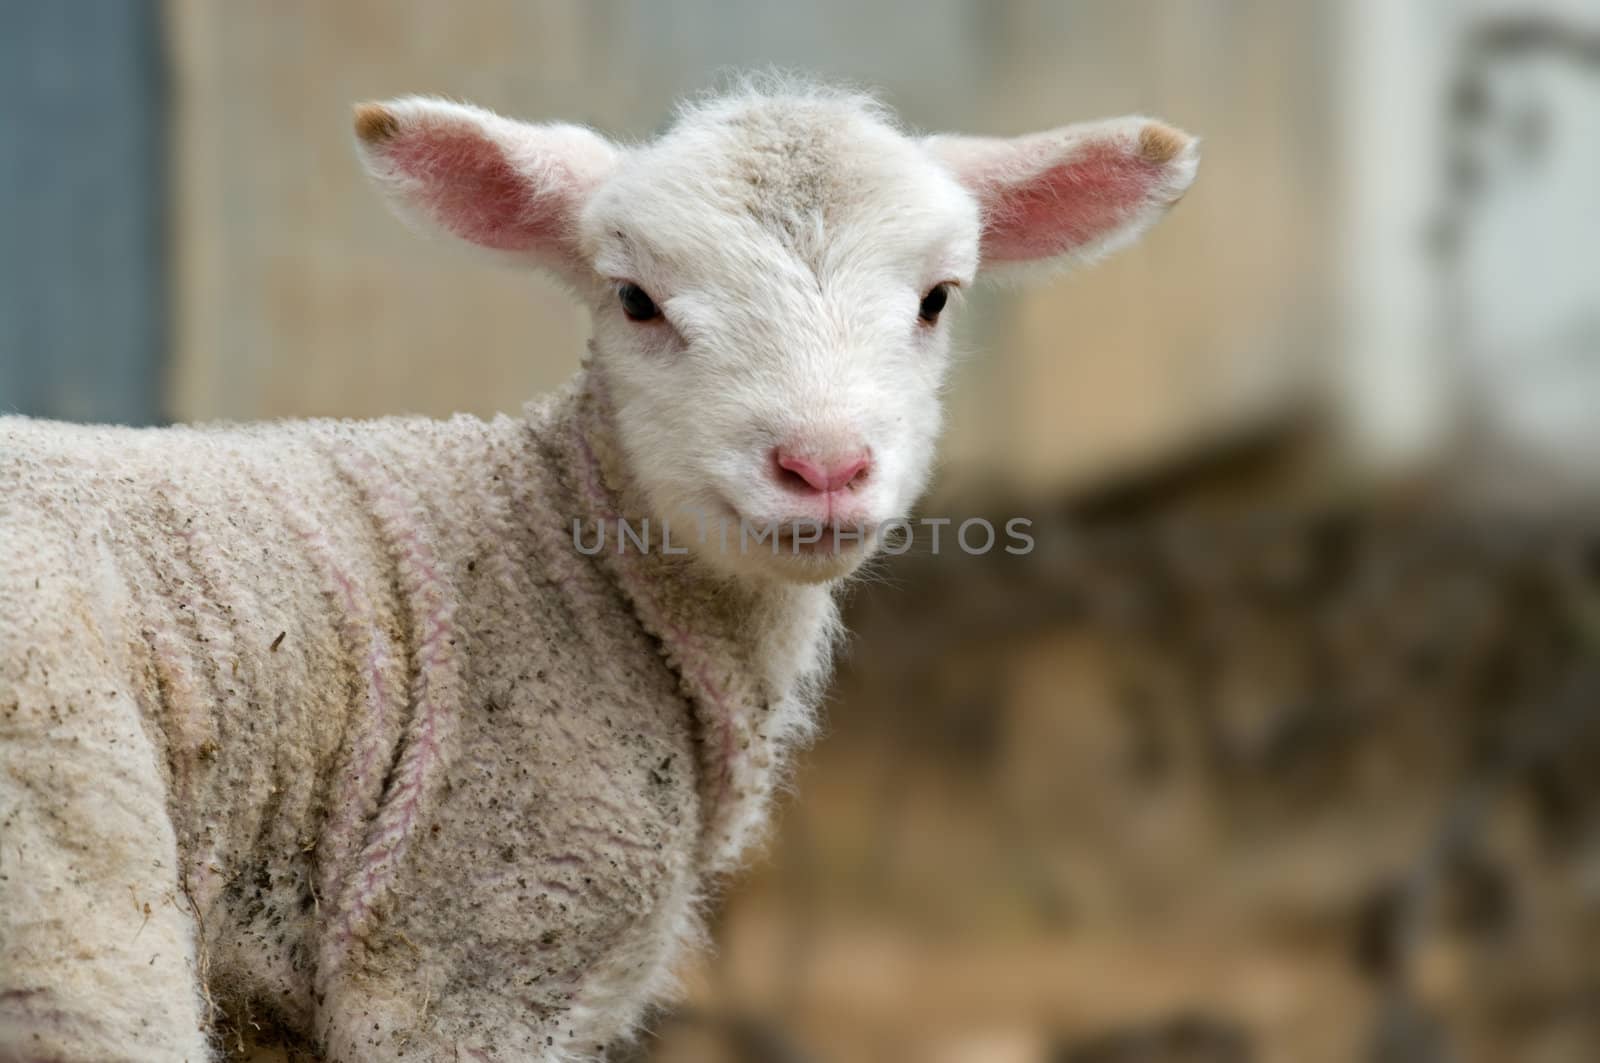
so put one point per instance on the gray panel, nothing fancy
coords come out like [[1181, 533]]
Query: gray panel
[[82, 190]]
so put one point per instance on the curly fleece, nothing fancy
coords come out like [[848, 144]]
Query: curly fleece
[[332, 721]]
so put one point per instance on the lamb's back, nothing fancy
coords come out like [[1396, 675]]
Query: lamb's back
[[240, 585], [408, 735]]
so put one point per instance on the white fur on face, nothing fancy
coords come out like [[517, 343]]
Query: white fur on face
[[788, 238], [788, 243]]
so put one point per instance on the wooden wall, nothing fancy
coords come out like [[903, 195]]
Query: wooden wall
[[297, 294]]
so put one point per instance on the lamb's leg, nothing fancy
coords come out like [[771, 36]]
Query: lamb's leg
[[97, 954]]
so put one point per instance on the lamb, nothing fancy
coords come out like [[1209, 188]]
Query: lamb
[[335, 721]]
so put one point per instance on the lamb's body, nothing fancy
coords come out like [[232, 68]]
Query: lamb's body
[[376, 745]]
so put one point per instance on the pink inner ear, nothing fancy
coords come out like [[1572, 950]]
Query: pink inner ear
[[469, 187], [1066, 206]]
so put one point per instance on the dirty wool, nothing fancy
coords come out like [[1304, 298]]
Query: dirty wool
[[397, 720]]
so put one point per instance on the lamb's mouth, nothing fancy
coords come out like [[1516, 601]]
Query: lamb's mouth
[[811, 539], [801, 537]]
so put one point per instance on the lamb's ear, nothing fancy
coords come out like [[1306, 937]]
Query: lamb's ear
[[510, 187], [1072, 193]]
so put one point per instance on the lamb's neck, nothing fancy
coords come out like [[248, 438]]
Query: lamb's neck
[[750, 655]]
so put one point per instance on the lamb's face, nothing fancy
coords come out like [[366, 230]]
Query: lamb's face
[[772, 282], [772, 320]]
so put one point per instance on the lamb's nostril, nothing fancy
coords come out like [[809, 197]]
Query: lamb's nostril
[[853, 473], [794, 479], [799, 474]]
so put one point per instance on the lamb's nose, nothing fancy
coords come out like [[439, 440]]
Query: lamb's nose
[[820, 475]]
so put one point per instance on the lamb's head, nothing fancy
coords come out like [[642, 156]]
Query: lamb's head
[[771, 282]]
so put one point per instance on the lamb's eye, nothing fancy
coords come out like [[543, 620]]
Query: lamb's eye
[[933, 302], [636, 304]]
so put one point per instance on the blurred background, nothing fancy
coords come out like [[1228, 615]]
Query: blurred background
[[1284, 744]]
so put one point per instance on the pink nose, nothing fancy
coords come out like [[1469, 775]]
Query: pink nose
[[820, 476]]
